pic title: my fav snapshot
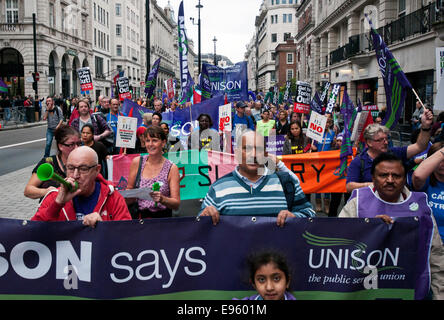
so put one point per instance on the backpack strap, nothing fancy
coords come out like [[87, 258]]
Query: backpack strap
[[139, 171], [288, 187]]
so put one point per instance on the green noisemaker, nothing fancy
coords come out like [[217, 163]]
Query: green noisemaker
[[46, 172], [156, 187]]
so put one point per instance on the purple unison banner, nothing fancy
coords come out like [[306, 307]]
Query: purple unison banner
[[231, 80], [328, 258]]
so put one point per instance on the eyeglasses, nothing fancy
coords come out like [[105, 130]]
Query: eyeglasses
[[78, 144], [386, 139], [82, 169]]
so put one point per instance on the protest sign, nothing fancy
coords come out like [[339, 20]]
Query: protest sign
[[85, 79], [358, 127], [333, 258], [225, 123], [372, 108], [316, 126], [126, 132], [124, 89], [169, 88], [303, 97]]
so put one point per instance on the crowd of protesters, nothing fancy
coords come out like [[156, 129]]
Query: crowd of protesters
[[79, 121]]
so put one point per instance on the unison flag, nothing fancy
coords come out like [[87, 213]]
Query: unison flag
[[316, 104], [151, 80], [3, 86], [347, 110], [395, 81], [185, 76]]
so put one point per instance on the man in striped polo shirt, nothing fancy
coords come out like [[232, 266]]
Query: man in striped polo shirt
[[253, 188]]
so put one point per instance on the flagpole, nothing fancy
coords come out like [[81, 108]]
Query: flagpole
[[417, 97]]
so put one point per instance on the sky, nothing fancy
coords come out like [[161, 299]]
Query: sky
[[230, 21]]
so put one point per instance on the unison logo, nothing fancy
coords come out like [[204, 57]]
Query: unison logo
[[343, 253]]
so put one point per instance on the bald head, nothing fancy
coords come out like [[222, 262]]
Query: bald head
[[84, 154]]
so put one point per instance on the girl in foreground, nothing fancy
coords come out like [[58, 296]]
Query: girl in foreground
[[270, 277]]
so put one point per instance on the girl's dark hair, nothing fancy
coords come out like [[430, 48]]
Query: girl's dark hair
[[259, 259], [63, 132], [435, 147], [155, 132], [158, 114], [299, 140], [88, 125]]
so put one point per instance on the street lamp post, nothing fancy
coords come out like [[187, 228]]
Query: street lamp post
[[148, 45], [199, 55], [215, 57]]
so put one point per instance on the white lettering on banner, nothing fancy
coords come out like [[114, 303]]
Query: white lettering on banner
[[344, 259], [65, 256], [333, 96], [155, 264], [184, 49], [222, 86]]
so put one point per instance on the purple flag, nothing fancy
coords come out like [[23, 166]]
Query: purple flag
[[185, 76], [347, 110], [395, 81], [151, 80]]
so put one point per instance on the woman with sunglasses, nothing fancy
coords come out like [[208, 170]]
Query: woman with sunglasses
[[67, 139]]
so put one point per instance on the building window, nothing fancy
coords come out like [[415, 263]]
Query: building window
[[99, 67], [12, 11], [119, 50], [277, 1], [284, 1], [84, 27], [289, 74], [284, 18], [118, 9], [290, 18], [401, 8], [289, 58], [274, 37], [287, 36], [51, 15], [118, 30]]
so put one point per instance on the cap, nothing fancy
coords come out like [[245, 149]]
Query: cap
[[241, 104], [140, 131]]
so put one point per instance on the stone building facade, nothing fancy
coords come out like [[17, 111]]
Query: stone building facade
[[343, 51], [104, 35]]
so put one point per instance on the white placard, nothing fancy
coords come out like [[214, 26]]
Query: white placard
[[358, 126], [439, 64], [126, 132], [316, 126], [225, 121], [439, 100]]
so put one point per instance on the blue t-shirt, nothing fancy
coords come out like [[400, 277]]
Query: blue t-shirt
[[354, 170], [435, 197], [329, 136], [113, 120], [86, 205], [245, 120]]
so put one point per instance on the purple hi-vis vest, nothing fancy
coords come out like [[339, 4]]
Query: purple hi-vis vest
[[369, 205]]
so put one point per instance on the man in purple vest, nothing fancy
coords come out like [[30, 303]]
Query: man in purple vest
[[388, 198]]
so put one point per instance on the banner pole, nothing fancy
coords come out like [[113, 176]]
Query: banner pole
[[417, 97]]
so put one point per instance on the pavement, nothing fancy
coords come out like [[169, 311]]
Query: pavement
[[11, 125], [13, 204]]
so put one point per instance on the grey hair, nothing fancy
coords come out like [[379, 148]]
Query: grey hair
[[372, 129]]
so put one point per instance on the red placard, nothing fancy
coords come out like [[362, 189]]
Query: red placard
[[301, 108]]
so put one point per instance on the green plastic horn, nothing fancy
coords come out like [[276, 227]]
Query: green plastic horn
[[46, 172]]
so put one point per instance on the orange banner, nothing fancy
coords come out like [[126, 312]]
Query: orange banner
[[317, 171]]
